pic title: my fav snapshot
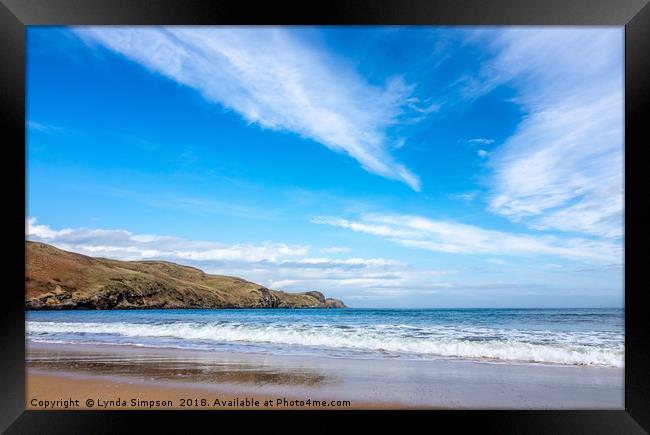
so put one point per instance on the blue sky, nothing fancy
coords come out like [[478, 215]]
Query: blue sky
[[386, 166]]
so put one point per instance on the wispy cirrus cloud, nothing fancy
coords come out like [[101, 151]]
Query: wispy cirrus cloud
[[481, 141], [563, 167], [458, 238], [43, 128], [466, 197], [277, 81]]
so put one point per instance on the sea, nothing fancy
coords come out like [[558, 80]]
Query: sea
[[577, 337]]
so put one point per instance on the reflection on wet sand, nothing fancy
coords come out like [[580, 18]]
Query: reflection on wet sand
[[204, 369]]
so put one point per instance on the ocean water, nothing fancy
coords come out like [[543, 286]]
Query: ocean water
[[592, 337]]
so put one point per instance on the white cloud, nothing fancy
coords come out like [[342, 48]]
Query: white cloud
[[33, 229], [277, 81], [354, 262], [482, 153], [465, 196], [481, 141], [563, 167], [364, 227], [50, 129], [457, 238]]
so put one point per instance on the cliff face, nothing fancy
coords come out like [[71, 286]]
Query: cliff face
[[57, 279]]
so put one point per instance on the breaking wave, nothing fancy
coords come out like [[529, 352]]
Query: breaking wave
[[593, 348]]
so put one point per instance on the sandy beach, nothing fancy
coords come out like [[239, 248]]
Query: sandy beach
[[44, 391], [125, 377]]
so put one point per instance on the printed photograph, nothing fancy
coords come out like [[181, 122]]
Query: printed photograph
[[324, 217]]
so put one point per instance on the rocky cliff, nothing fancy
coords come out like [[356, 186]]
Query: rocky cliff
[[57, 279]]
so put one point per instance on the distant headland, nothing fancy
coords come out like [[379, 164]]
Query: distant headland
[[60, 280]]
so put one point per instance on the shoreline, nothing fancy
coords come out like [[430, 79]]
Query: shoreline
[[369, 357], [55, 371]]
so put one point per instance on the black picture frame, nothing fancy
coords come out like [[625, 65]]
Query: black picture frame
[[16, 14]]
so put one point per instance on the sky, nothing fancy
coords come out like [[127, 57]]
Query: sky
[[404, 167]]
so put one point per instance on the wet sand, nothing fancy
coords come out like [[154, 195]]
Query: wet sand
[[108, 373], [62, 390]]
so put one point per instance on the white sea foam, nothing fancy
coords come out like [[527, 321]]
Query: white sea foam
[[500, 345]]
